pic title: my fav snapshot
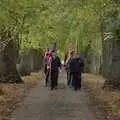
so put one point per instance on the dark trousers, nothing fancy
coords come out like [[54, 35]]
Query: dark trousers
[[76, 82], [54, 79], [47, 77], [69, 78]]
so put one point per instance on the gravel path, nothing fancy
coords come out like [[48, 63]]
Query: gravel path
[[61, 104]]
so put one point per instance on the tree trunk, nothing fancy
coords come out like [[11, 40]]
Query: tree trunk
[[112, 64], [8, 59]]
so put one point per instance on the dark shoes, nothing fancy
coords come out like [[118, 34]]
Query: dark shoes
[[76, 89], [54, 88]]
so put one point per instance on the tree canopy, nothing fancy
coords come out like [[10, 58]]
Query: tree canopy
[[38, 23]]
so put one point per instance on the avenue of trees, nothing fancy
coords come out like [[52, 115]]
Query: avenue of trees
[[93, 26]]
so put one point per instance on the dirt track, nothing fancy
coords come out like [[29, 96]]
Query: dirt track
[[61, 104]]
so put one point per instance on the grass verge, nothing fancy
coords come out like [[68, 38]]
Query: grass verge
[[107, 100]]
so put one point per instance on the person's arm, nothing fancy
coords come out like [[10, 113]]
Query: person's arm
[[71, 65], [59, 63], [82, 64], [45, 64]]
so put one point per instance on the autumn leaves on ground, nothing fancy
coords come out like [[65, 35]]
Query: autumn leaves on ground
[[12, 94], [108, 101]]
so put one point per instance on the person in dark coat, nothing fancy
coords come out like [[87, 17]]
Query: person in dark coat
[[77, 67], [55, 65]]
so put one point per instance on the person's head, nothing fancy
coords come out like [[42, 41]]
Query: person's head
[[78, 55], [46, 54], [54, 54], [47, 50], [72, 54]]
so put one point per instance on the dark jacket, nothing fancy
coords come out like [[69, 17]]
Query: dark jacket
[[55, 64], [77, 65]]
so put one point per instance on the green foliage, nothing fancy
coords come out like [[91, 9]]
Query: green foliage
[[38, 23]]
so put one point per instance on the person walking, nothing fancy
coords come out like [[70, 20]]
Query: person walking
[[55, 66], [77, 67], [69, 72], [45, 67], [47, 63]]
